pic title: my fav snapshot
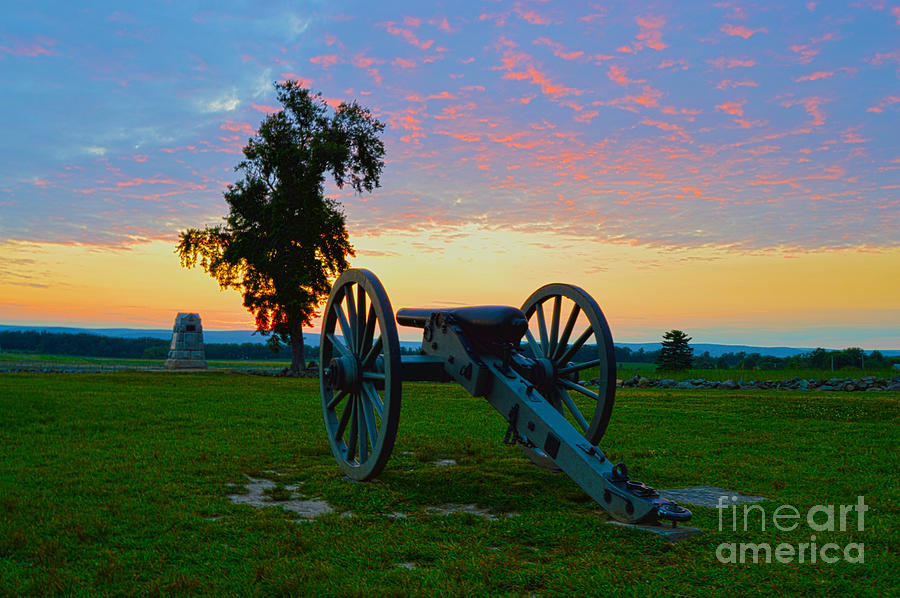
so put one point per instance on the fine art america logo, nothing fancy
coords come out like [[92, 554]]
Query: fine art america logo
[[786, 518]]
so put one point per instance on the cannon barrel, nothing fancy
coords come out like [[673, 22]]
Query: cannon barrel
[[415, 317]]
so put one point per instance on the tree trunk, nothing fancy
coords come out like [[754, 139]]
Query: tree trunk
[[298, 358]]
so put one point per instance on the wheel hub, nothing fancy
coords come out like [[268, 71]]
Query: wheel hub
[[343, 374]]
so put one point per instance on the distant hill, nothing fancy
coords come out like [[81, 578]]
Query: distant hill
[[312, 338]]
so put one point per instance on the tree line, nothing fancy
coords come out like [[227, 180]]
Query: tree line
[[95, 345]]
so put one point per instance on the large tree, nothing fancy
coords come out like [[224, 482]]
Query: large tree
[[283, 240], [675, 353]]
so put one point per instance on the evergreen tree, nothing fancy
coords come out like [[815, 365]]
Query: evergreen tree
[[675, 353]]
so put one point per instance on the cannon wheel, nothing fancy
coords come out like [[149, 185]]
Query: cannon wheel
[[359, 374], [550, 340]]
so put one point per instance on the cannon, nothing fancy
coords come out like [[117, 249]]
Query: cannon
[[525, 362]]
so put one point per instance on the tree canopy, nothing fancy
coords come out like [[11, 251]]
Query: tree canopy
[[675, 353], [283, 240]]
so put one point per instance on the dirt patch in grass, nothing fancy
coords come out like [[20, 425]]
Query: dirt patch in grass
[[266, 493]]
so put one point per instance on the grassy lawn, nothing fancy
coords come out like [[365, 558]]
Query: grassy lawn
[[115, 484], [650, 371], [38, 359]]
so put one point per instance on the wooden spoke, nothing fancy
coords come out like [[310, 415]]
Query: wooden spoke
[[533, 344], [353, 341], [567, 401], [345, 419], [368, 331], [372, 376], [567, 332], [342, 321], [351, 441], [577, 367], [542, 326], [369, 420], [342, 349], [363, 433], [372, 395], [373, 353], [336, 400], [579, 388], [554, 325], [570, 353], [360, 317]]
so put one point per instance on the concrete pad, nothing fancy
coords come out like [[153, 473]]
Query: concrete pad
[[708, 496], [672, 534]]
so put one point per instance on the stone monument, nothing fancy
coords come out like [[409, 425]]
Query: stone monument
[[186, 351]]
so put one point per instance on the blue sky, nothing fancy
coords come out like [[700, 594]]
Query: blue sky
[[686, 131]]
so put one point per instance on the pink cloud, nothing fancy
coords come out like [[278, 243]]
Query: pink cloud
[[325, 60], [404, 63], [39, 46], [729, 84], [815, 76], [733, 108], [825, 74], [681, 64], [650, 32], [520, 67], [617, 75], [586, 116], [558, 49], [649, 98], [663, 126], [593, 17], [851, 137], [230, 125], [730, 63], [884, 103], [138, 181], [812, 105], [266, 109], [532, 17], [407, 35], [302, 81], [443, 24], [536, 77], [466, 137], [362, 61], [881, 58], [895, 10], [457, 111], [740, 30], [737, 12], [806, 52]]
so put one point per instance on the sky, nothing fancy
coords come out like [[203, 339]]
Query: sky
[[729, 169]]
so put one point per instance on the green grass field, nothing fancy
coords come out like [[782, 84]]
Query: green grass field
[[115, 484], [38, 359], [650, 371]]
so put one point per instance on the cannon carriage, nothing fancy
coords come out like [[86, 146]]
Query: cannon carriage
[[526, 362]]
